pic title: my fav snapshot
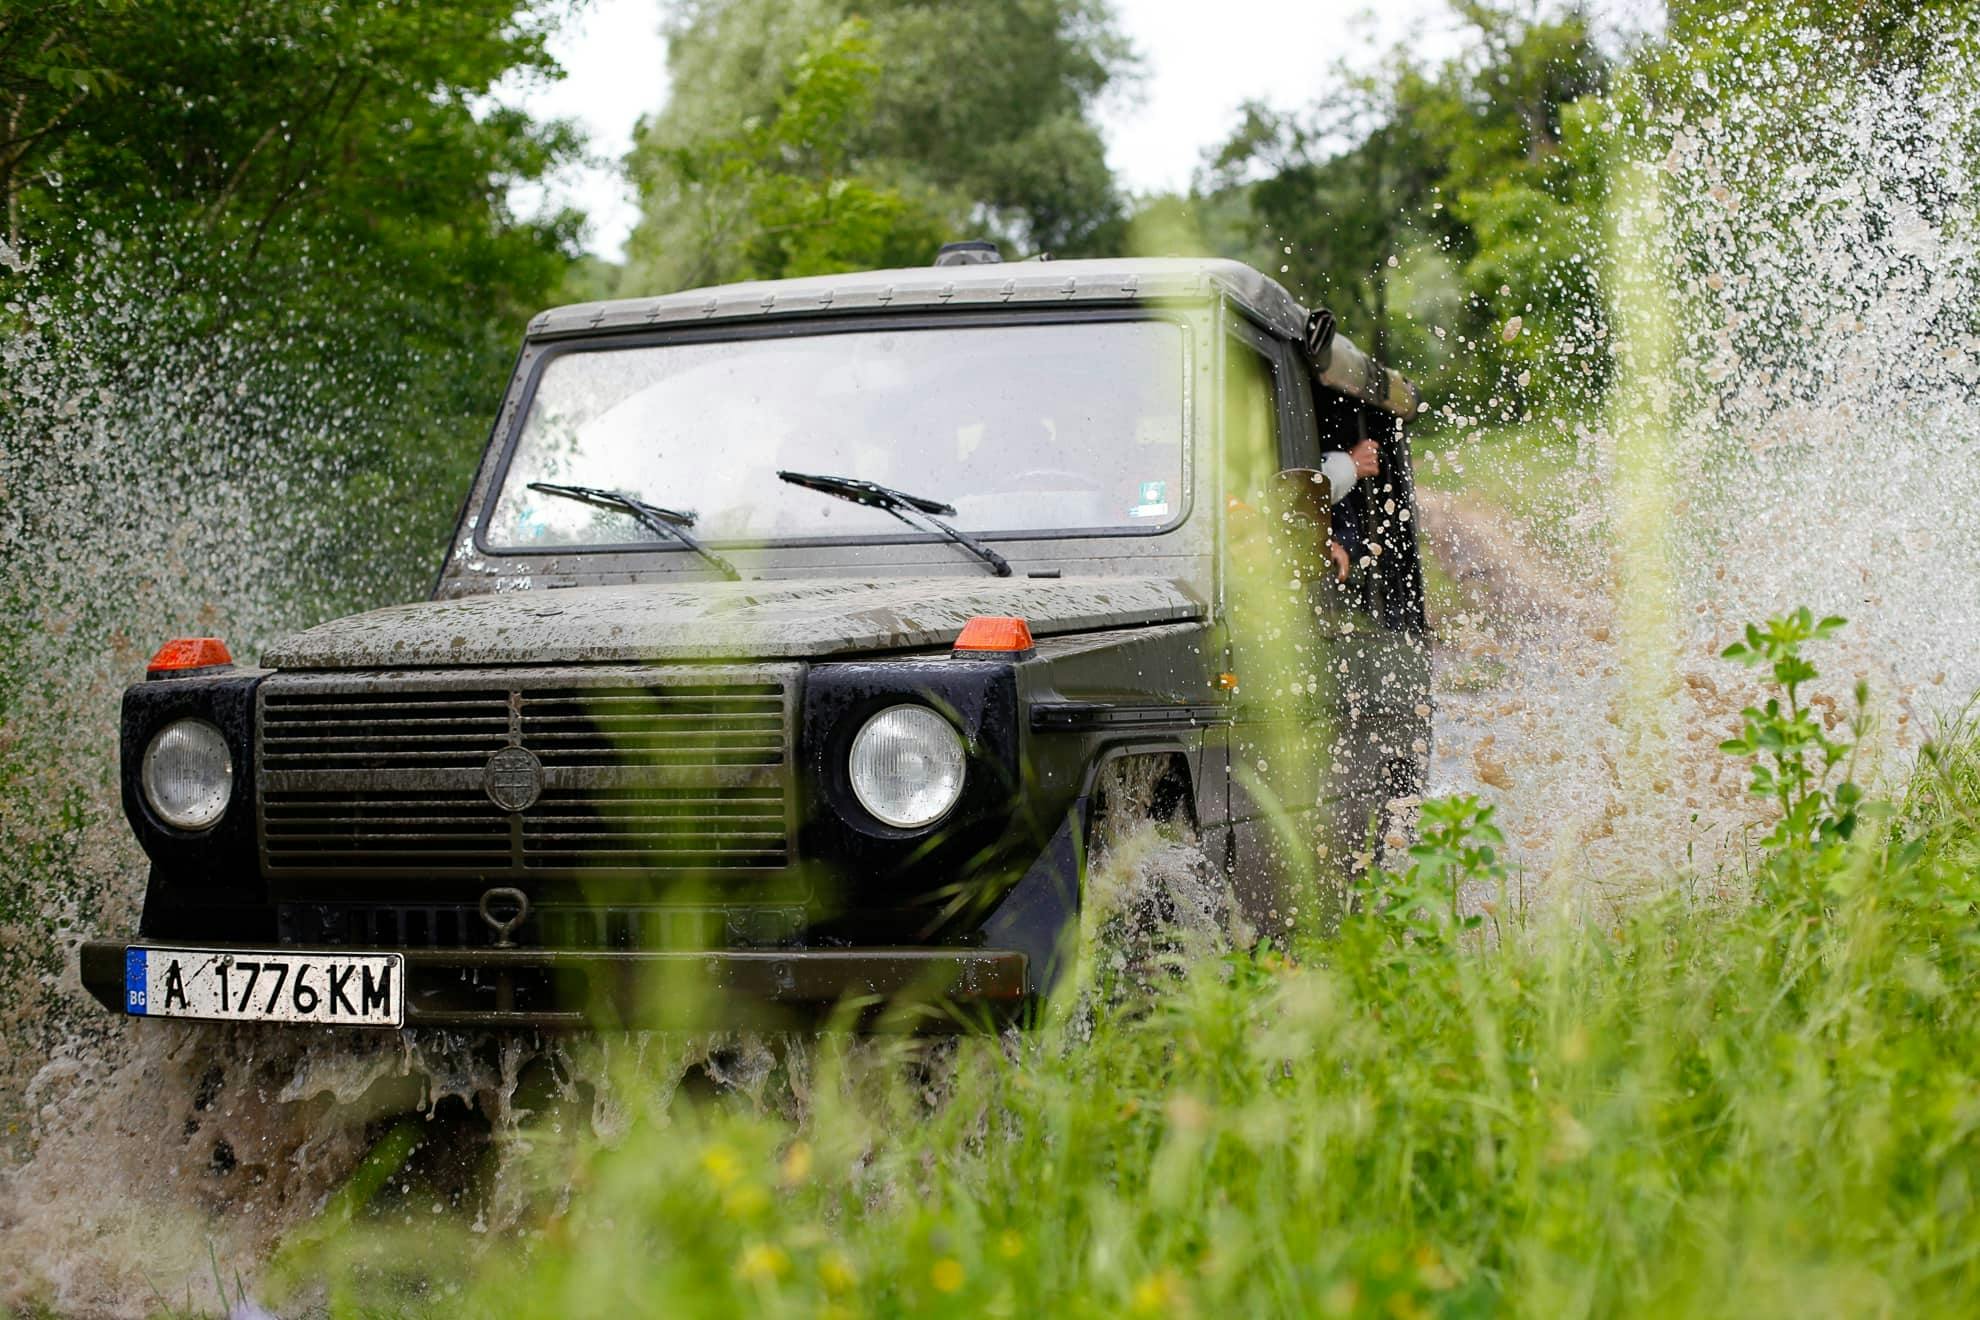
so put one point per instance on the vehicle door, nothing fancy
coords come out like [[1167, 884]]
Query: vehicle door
[[1271, 561]]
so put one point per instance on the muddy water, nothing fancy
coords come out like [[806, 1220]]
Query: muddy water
[[1814, 264], [154, 482]]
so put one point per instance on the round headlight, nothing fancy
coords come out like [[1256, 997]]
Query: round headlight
[[907, 766], [188, 774]]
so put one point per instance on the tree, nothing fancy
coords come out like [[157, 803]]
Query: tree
[[1347, 212], [320, 181], [1471, 184], [930, 120], [783, 195]]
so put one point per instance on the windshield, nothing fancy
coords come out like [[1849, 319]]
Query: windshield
[[1057, 427]]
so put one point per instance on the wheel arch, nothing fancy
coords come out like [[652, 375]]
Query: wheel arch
[[1172, 789]]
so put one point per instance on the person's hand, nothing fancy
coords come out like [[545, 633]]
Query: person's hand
[[1367, 459], [1339, 555]]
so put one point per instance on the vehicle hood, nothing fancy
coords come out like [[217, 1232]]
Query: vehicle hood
[[788, 619]]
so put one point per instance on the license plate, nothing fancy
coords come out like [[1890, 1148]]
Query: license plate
[[245, 985]]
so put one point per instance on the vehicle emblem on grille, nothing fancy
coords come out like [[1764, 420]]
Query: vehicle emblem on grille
[[513, 779]]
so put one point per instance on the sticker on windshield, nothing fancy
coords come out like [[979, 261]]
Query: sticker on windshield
[[1154, 501]]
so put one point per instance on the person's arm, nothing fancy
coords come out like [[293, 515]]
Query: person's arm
[[1343, 470], [1338, 553], [1338, 468]]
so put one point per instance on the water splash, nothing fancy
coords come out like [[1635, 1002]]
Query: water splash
[[1808, 438], [160, 475]]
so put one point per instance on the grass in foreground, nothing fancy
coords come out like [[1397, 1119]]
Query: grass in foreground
[[1749, 1109]]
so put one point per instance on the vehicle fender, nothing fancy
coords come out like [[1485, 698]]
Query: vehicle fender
[[1039, 915]]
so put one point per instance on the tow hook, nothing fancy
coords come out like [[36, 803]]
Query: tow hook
[[502, 897], [504, 926]]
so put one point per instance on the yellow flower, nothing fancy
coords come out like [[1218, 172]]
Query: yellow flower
[[722, 1164], [836, 1272], [745, 1201], [1161, 1293], [947, 1276], [1404, 1307], [1010, 1244], [762, 1263], [1432, 1271]]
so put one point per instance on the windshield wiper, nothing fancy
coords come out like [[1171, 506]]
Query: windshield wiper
[[900, 504], [667, 523]]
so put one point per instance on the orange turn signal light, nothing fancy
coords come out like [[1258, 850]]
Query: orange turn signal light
[[994, 632], [189, 653]]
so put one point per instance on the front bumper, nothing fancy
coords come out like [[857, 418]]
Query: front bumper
[[906, 989]]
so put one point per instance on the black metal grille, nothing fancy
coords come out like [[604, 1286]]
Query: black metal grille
[[649, 771], [685, 725], [656, 827], [383, 830], [311, 730]]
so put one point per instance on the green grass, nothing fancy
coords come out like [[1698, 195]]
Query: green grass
[[1701, 1109]]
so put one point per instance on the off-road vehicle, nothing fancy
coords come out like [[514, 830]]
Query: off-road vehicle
[[788, 637]]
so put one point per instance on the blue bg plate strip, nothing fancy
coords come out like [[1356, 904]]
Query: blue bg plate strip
[[136, 995]]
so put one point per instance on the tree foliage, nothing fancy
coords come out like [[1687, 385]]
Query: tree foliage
[[326, 180], [799, 139], [1417, 199], [1451, 211], [789, 195]]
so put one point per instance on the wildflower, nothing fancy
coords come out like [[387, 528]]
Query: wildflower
[[1431, 1270], [745, 1201], [835, 1271], [722, 1165], [1010, 1245], [1161, 1293], [762, 1262], [947, 1276]]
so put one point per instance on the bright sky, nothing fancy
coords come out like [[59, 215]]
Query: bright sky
[[1197, 73]]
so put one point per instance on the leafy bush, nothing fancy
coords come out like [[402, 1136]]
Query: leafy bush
[[1795, 761]]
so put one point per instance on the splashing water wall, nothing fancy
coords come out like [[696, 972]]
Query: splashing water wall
[[1791, 292], [158, 478]]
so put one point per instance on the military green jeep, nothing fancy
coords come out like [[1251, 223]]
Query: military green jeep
[[789, 638]]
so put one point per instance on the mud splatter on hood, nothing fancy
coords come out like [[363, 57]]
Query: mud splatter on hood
[[720, 620]]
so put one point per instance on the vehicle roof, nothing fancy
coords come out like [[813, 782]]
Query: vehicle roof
[[1109, 280]]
